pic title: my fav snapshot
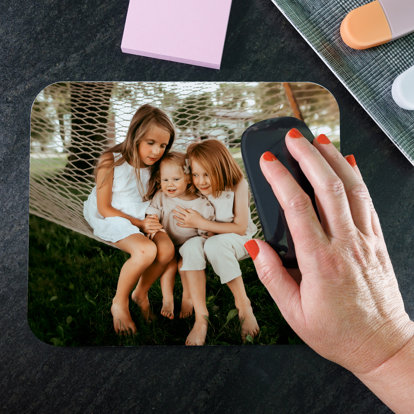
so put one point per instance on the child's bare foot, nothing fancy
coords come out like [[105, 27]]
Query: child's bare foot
[[167, 309], [197, 335], [143, 302], [123, 323], [186, 308], [248, 323]]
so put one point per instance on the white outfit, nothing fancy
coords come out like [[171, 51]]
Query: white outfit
[[223, 251], [127, 196], [162, 206]]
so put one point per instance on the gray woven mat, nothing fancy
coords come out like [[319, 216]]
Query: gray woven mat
[[367, 74]]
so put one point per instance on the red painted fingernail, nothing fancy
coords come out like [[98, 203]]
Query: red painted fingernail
[[295, 133], [351, 160], [268, 156], [323, 139], [252, 248]]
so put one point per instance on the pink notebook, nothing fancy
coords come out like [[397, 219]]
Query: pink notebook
[[186, 31]]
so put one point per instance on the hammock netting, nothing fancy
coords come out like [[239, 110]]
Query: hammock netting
[[73, 122]]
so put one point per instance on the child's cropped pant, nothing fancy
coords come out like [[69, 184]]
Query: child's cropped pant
[[223, 251]]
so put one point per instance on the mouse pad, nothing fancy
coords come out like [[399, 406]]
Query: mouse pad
[[73, 274], [367, 74]]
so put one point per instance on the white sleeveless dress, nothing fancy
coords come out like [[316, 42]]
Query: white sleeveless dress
[[126, 197]]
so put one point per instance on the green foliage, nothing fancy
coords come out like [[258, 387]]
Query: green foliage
[[47, 167], [73, 278], [42, 128]]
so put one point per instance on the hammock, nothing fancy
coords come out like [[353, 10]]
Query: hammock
[[73, 122]]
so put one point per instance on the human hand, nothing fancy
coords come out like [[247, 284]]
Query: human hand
[[347, 306], [152, 235], [150, 224], [207, 234], [188, 218]]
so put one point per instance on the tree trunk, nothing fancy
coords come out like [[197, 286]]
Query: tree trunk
[[292, 101]]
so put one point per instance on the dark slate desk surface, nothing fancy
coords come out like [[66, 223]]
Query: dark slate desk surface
[[49, 41]]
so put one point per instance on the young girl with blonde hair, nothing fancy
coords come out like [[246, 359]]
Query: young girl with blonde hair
[[116, 209], [217, 176]]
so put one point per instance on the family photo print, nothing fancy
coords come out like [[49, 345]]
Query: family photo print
[[140, 208]]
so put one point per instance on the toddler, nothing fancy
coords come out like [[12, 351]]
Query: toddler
[[177, 191]]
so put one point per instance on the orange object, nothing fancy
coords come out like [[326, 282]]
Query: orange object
[[295, 133], [252, 248], [268, 156], [323, 139], [351, 160], [366, 26]]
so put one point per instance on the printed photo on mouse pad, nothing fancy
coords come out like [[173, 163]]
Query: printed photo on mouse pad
[[140, 208]]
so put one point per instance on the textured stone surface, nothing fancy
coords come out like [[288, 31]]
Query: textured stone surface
[[48, 41]]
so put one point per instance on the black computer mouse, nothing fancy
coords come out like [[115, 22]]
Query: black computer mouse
[[269, 135]]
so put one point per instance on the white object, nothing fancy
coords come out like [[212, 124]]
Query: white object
[[126, 197], [403, 89]]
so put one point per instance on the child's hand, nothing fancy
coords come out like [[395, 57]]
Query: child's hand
[[151, 224], [208, 234], [151, 235], [188, 218]]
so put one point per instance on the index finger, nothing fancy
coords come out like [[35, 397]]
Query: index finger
[[303, 223], [179, 213]]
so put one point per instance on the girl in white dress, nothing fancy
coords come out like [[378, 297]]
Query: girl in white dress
[[217, 176], [116, 210], [177, 190]]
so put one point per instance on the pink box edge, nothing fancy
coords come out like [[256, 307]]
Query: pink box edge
[[209, 65]]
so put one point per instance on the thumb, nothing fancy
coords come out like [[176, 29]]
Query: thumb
[[276, 279]]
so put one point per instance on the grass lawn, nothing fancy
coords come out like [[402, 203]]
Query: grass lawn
[[46, 166], [73, 278]]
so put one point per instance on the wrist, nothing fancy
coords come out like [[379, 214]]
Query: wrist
[[201, 223], [137, 222], [393, 380], [384, 339]]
